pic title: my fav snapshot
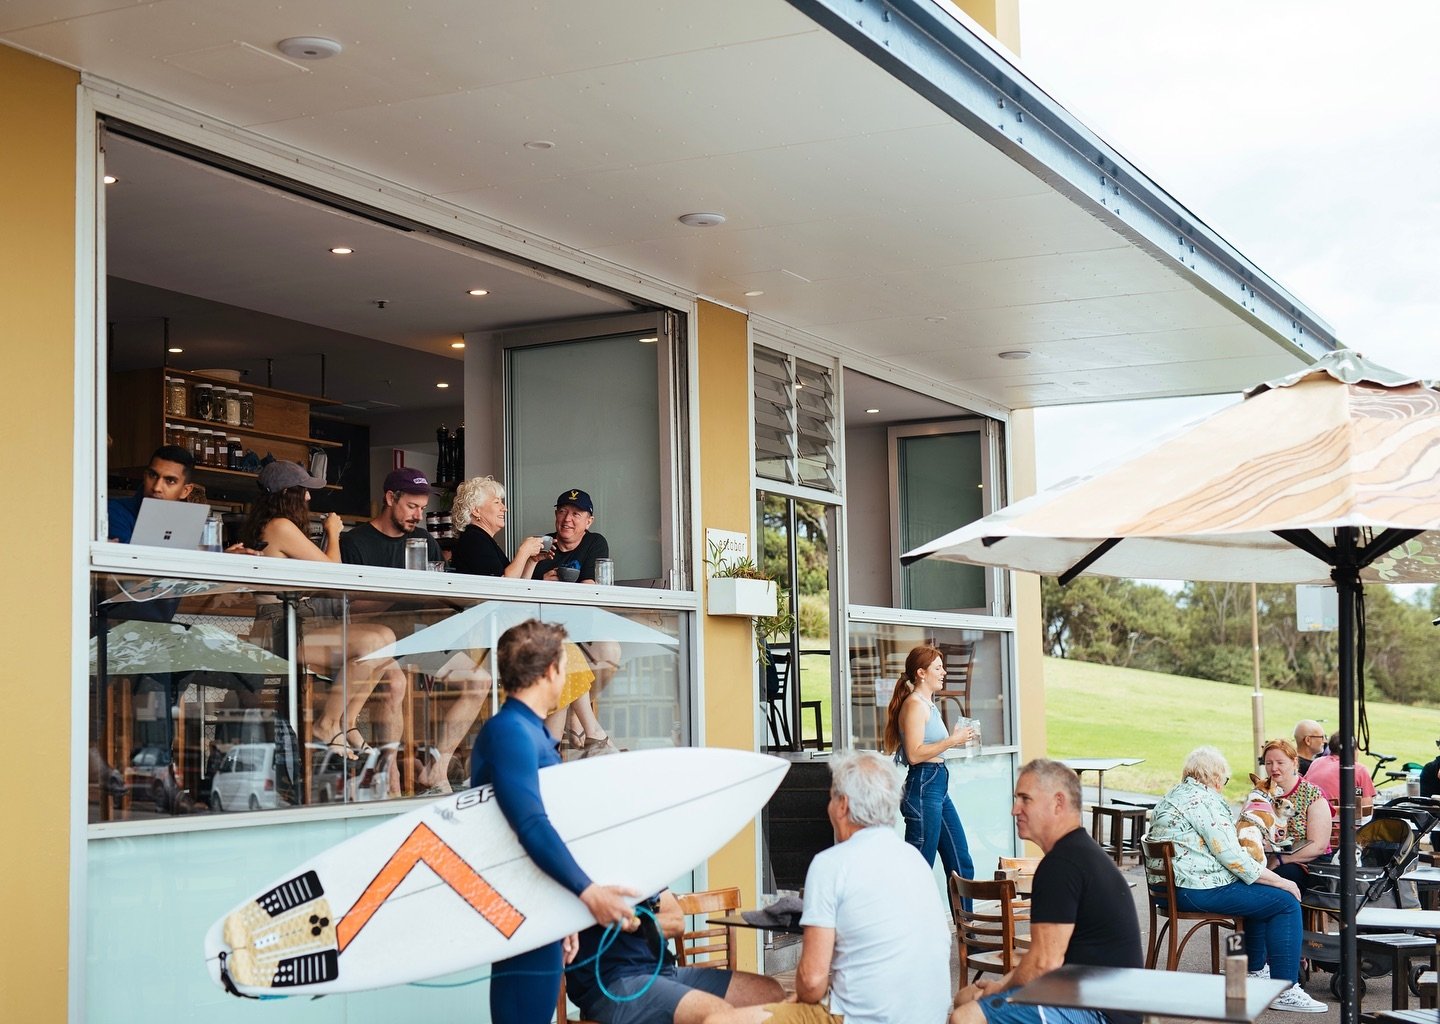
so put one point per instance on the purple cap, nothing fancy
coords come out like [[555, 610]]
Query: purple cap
[[407, 481], [280, 474]]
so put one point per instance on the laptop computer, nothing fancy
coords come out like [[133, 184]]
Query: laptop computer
[[170, 524]]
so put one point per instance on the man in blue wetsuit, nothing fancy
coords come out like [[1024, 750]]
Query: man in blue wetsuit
[[684, 995], [508, 755]]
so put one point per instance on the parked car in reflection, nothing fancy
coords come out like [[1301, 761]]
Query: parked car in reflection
[[245, 779], [151, 775], [336, 778]]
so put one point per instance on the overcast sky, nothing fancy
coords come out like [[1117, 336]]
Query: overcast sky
[[1307, 138]]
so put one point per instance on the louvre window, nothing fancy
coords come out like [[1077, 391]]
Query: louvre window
[[794, 420]]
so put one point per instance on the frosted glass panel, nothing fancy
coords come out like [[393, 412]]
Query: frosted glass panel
[[586, 414], [940, 478]]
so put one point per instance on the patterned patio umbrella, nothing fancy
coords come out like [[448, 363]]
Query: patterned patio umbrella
[[1331, 474], [171, 648]]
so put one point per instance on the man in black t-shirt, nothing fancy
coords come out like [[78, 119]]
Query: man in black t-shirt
[[575, 546], [1081, 911], [381, 541]]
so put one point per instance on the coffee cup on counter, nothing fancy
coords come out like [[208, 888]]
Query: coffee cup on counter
[[568, 573]]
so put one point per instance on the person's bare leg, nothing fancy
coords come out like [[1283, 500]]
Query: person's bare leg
[[735, 1014], [474, 683], [967, 1013], [585, 718], [745, 991]]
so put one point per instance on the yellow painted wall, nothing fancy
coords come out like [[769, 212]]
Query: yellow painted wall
[[1030, 665], [725, 504], [37, 419], [1001, 18]]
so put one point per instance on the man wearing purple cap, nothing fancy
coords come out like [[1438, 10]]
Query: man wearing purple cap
[[381, 541], [575, 546]]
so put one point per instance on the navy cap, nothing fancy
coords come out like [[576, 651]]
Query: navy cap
[[579, 499], [407, 481]]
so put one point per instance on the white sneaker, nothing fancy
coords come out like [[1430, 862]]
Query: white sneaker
[[1296, 1000], [1263, 972]]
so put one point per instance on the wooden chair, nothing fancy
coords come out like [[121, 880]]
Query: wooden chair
[[957, 681], [1166, 918], [986, 934], [1021, 871], [707, 945]]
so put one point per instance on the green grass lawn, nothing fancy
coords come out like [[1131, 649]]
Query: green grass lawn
[[1100, 711]]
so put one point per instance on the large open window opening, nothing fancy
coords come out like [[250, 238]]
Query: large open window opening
[[249, 320]]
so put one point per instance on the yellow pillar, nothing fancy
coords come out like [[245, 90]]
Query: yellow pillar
[[37, 293], [1001, 18], [725, 504], [1029, 660]]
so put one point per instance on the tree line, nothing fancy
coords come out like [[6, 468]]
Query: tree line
[[1203, 630]]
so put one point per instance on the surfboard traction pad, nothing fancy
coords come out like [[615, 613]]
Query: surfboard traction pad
[[284, 937]]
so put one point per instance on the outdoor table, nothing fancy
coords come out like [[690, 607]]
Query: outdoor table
[[1427, 881], [1099, 765], [1151, 993], [737, 921]]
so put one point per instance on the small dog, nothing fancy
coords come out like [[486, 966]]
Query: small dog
[[1263, 818]]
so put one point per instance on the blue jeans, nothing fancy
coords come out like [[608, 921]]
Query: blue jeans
[[1272, 922], [931, 821]]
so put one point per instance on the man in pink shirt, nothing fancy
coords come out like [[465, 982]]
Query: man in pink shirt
[[1324, 774]]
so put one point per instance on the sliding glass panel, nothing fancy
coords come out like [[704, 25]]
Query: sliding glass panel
[[217, 697], [940, 478]]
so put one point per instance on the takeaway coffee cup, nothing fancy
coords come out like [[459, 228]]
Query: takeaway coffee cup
[[417, 550]]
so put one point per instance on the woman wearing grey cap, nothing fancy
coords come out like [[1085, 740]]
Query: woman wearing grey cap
[[280, 518], [277, 526]]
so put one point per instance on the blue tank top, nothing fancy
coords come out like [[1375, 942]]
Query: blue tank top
[[934, 731]]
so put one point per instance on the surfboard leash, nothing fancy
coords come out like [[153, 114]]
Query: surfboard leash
[[607, 939]]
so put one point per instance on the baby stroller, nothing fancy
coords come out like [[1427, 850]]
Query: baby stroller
[[1386, 847]]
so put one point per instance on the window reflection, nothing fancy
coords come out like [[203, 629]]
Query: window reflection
[[219, 697], [974, 677]]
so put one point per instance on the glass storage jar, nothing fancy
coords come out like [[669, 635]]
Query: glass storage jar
[[232, 406], [175, 404], [247, 408], [204, 402]]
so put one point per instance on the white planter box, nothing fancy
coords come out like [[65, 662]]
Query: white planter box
[[727, 596]]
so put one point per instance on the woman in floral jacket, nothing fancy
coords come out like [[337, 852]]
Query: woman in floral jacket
[[1214, 874]]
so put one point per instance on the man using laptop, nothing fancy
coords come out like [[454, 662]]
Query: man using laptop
[[167, 478]]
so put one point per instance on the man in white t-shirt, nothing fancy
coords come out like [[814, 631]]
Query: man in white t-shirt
[[876, 936]]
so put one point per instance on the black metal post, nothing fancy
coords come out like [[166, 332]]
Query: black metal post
[[1347, 585]]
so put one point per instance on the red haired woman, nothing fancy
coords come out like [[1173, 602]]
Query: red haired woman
[[916, 734]]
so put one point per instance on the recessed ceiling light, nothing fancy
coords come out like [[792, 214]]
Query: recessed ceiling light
[[478, 291], [872, 410], [308, 47], [1016, 353], [935, 319], [457, 344], [442, 384], [755, 294], [342, 250], [539, 144], [109, 179], [701, 220], [648, 341], [175, 350]]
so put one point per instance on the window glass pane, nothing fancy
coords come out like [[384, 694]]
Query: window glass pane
[[196, 705], [974, 677], [794, 420], [940, 490], [586, 414], [774, 416], [814, 426]]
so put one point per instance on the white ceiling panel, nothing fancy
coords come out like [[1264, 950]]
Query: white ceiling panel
[[855, 205]]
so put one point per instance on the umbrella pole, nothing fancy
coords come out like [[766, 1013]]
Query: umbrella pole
[[1347, 583]]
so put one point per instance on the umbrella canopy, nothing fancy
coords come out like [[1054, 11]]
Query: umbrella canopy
[[479, 628], [1330, 474], [1342, 443], [158, 648]]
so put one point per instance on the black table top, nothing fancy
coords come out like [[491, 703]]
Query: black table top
[[1151, 993]]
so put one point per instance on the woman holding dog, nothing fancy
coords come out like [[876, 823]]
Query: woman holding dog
[[1213, 874], [1309, 830], [916, 734]]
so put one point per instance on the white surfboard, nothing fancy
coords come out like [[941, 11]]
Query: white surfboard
[[448, 887]]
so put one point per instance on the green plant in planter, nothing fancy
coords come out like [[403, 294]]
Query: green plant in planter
[[766, 626]]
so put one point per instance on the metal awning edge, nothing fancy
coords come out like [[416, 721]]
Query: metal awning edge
[[924, 45]]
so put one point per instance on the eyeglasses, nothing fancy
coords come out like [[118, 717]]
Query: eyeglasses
[[575, 514]]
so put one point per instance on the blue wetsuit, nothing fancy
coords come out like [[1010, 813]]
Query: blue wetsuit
[[509, 753]]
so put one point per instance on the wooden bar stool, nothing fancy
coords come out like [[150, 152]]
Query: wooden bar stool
[[1127, 824]]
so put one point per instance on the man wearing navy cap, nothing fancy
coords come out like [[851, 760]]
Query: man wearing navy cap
[[575, 546], [381, 541]]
